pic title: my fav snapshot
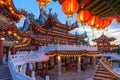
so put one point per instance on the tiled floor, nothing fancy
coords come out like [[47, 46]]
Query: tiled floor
[[70, 75]]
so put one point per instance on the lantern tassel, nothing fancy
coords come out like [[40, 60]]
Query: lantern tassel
[[69, 21]]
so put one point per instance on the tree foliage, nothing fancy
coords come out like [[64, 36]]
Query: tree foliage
[[117, 50]]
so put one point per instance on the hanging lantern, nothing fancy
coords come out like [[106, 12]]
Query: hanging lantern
[[108, 22], [83, 16], [4, 2], [117, 18], [93, 21], [100, 24], [105, 23], [110, 18], [69, 7], [43, 3]]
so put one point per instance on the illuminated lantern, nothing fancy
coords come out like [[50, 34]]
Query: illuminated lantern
[[9, 32], [105, 23], [83, 16], [69, 7], [108, 22], [110, 18], [100, 24], [43, 3], [93, 21], [61, 1], [117, 18], [4, 2]]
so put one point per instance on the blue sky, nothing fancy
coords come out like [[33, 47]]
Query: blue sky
[[32, 6]]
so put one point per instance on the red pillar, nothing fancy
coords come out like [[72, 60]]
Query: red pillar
[[28, 70], [13, 50], [36, 66], [1, 48], [7, 52], [91, 62], [46, 68]]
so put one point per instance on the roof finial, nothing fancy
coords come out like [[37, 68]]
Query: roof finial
[[50, 10], [103, 33]]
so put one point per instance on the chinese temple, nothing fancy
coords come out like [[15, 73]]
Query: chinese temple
[[45, 44], [103, 43]]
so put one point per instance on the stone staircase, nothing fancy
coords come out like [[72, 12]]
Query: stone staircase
[[5, 72], [102, 73]]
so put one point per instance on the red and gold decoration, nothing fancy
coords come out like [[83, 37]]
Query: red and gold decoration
[[93, 21], [70, 7], [4, 2], [117, 18], [83, 16], [43, 3]]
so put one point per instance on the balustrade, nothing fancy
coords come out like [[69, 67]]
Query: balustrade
[[14, 72], [72, 47]]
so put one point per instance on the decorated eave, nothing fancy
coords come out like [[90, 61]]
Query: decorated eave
[[39, 29], [73, 53], [8, 9], [51, 21], [103, 38]]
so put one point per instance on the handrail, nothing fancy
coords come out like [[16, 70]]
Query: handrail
[[109, 69], [16, 75]]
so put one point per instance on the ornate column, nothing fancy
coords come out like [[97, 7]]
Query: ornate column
[[13, 50], [27, 69], [1, 48], [59, 66], [94, 62], [7, 52], [79, 64], [46, 68]]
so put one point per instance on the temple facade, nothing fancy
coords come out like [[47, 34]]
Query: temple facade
[[104, 43], [44, 44]]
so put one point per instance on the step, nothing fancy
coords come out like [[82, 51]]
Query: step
[[100, 69], [5, 72], [104, 76], [102, 72], [6, 78], [100, 78]]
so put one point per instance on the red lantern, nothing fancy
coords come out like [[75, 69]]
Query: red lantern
[[43, 3], [108, 22], [110, 18], [117, 18], [83, 16], [93, 20], [69, 7], [100, 24]]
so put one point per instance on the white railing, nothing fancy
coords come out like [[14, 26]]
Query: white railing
[[72, 47], [16, 75], [113, 72], [113, 55], [28, 57]]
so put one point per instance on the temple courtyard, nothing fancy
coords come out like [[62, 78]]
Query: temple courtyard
[[72, 75]]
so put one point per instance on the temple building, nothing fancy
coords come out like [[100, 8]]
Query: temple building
[[104, 43], [45, 45]]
